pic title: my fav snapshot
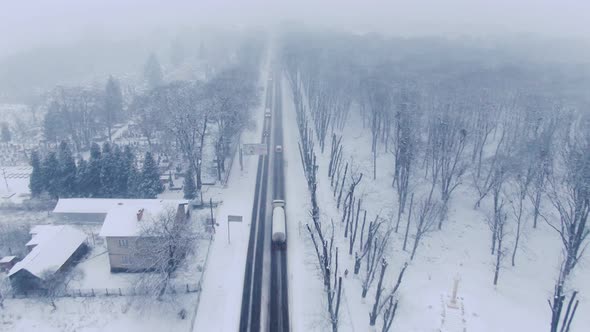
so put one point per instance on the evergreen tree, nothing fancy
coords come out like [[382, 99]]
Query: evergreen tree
[[152, 72], [133, 182], [92, 178], [189, 187], [37, 180], [113, 104], [67, 171], [150, 185], [108, 172], [51, 174], [5, 132], [53, 124], [82, 178], [126, 167]]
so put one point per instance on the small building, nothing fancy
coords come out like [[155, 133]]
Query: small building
[[53, 249], [123, 227], [7, 262]]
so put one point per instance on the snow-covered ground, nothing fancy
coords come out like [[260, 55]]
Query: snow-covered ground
[[122, 314], [219, 308], [461, 249]]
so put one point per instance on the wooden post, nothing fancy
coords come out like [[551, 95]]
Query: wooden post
[[212, 220], [453, 303]]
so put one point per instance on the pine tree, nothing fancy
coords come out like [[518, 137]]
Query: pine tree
[[150, 185], [108, 172], [51, 174], [67, 171], [189, 187], [82, 178], [152, 72], [36, 181], [133, 182], [53, 123], [92, 181], [126, 167], [113, 104], [5, 132]]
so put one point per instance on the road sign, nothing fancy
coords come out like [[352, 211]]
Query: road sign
[[234, 218], [254, 149], [231, 218]]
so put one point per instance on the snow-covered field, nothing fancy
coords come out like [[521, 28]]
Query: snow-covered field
[[460, 250]]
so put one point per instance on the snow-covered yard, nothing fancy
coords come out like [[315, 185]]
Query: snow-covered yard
[[117, 314]]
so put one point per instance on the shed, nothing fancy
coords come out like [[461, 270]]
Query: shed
[[57, 248], [7, 262]]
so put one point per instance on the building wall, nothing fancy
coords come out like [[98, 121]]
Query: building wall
[[125, 255]]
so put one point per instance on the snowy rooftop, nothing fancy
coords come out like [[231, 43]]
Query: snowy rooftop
[[7, 259], [52, 251], [93, 205], [42, 233], [122, 219]]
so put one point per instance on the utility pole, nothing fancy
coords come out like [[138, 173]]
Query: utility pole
[[5, 180]]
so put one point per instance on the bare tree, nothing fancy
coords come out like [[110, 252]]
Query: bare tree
[[447, 138], [427, 212], [570, 196], [56, 283], [385, 301], [404, 150], [327, 256], [190, 117], [233, 94], [497, 223], [164, 242], [558, 317], [376, 246]]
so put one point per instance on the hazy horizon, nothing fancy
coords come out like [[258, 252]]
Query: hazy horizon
[[27, 24]]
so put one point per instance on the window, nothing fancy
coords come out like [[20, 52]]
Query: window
[[125, 260], [123, 243]]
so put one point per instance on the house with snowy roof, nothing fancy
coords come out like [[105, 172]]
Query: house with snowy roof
[[53, 249], [124, 230]]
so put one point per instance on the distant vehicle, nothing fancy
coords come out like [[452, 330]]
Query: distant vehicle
[[267, 113], [265, 133], [279, 148], [279, 224]]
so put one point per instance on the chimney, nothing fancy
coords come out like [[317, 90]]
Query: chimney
[[139, 214]]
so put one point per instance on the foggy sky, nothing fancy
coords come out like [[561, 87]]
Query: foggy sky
[[28, 23]]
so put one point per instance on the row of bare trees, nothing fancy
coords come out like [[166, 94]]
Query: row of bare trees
[[515, 143]]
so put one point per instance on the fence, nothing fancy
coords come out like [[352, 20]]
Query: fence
[[211, 239], [104, 292]]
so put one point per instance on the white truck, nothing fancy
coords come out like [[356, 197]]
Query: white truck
[[279, 224]]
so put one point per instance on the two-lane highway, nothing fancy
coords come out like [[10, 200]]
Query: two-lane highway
[[253, 281], [265, 301]]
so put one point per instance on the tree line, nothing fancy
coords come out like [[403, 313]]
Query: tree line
[[109, 172]]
